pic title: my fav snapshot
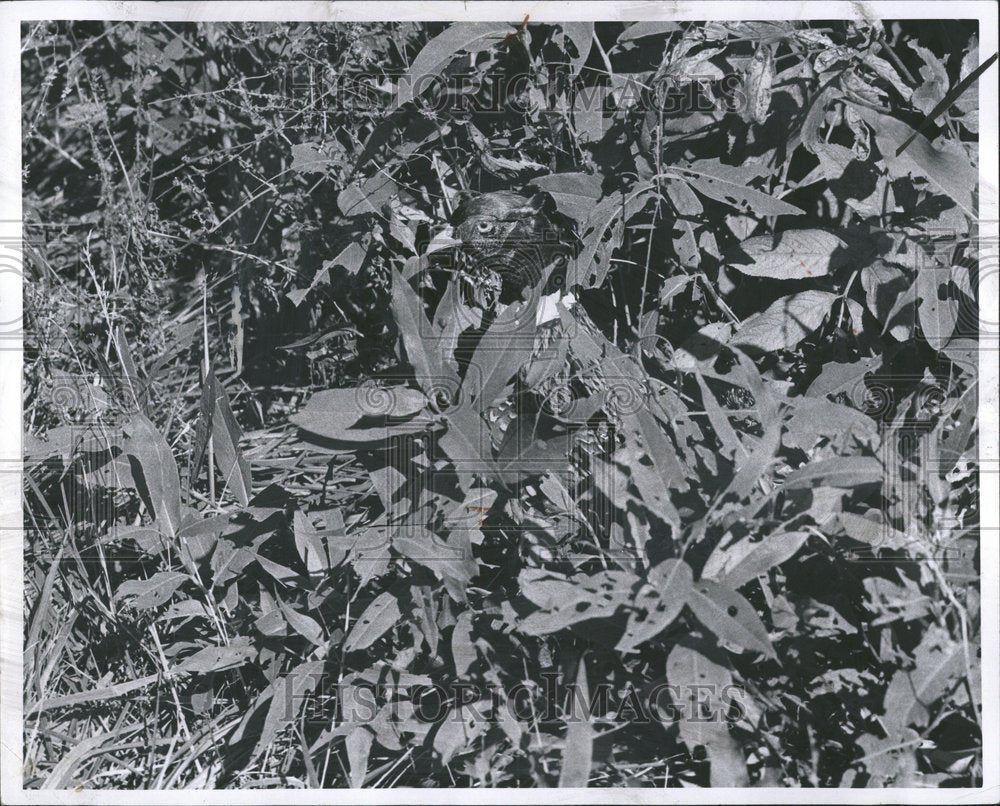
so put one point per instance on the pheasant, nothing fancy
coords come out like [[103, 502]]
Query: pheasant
[[510, 249]]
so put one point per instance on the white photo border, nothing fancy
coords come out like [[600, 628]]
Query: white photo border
[[11, 521]]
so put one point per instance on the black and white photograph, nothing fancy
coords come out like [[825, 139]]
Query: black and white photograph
[[584, 397]]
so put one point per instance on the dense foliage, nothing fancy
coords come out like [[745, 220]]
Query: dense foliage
[[267, 541]]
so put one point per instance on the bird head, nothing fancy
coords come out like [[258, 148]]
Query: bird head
[[493, 222]]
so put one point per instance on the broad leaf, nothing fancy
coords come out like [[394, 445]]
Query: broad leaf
[[159, 472], [288, 699], [581, 34], [729, 185], [377, 619], [151, 592], [436, 55], [359, 745], [658, 604], [702, 684], [785, 322], [949, 172], [590, 267], [735, 565], [216, 658], [503, 349], [912, 693], [415, 330], [575, 194], [226, 433], [793, 255], [359, 415], [729, 616]]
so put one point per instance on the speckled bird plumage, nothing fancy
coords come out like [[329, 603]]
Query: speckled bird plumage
[[508, 243]]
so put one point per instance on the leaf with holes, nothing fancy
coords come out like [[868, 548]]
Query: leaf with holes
[[591, 266], [216, 658], [701, 684], [378, 618], [729, 616], [658, 603], [729, 185]]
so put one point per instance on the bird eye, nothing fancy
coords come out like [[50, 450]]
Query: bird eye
[[485, 227]]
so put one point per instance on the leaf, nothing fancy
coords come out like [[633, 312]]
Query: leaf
[[226, 435], [369, 195], [950, 172], [658, 604], [702, 722], [588, 115], [690, 210], [378, 618], [890, 296], [785, 323], [797, 254], [841, 471], [308, 158], [815, 418], [844, 379], [664, 471], [351, 258], [757, 81], [730, 617], [304, 625], [590, 267], [954, 445], [938, 317], [451, 561], [502, 350], [639, 30], [570, 601], [887, 72], [874, 533], [61, 775], [353, 415], [436, 55], [309, 544], [459, 729], [215, 658], [94, 694], [463, 647], [574, 194], [202, 431], [728, 184], [358, 744], [737, 564], [159, 472], [287, 700], [581, 34], [911, 694], [151, 592], [414, 327], [935, 84], [578, 749]]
